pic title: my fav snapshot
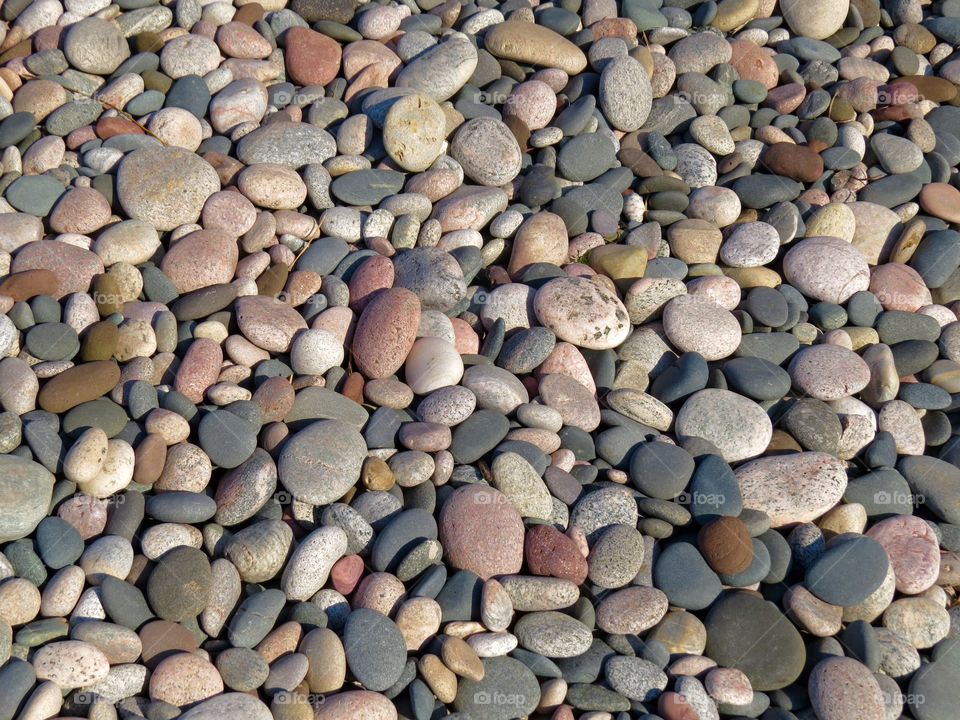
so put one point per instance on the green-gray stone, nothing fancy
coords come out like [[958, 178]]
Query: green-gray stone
[[35, 194]]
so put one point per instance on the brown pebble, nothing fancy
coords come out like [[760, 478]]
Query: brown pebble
[[726, 546], [30, 283], [78, 385]]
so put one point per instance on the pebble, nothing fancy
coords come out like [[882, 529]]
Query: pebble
[[709, 414]]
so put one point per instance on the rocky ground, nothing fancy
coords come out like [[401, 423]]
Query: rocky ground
[[584, 360]]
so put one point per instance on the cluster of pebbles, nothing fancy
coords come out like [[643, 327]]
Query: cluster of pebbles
[[587, 359]]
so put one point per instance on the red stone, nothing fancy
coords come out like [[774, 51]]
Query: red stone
[[346, 573], [549, 552], [312, 58]]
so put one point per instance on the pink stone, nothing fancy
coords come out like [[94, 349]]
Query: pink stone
[[899, 287], [376, 273], [913, 549], [481, 531], [386, 332]]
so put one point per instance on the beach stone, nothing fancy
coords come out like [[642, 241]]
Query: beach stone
[[311, 58], [735, 623], [173, 597], [552, 634], [28, 488], [843, 688], [96, 46], [375, 649], [322, 480], [697, 324], [684, 576], [625, 94], [487, 151], [505, 678], [811, 367], [70, 664], [165, 186], [456, 53], [913, 550], [534, 45], [184, 679], [826, 269], [414, 131], [379, 353], [860, 557], [481, 531], [582, 313], [737, 426], [792, 488], [268, 323]]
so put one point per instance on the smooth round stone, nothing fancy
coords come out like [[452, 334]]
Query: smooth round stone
[[315, 351], [913, 549], [814, 425], [737, 426], [321, 479], [366, 187], [27, 488], [937, 684], [747, 633], [725, 544], [582, 313], [414, 131], [553, 634], [184, 679], [532, 44], [636, 678], [826, 269], [752, 244], [661, 470], [71, 664], [505, 678], [625, 95], [757, 378], [586, 157], [375, 649], [695, 323], [481, 531], [457, 55], [16, 127], [829, 372], [58, 543], [95, 46], [794, 488], [34, 194], [432, 363], [294, 144], [165, 186], [377, 353], [433, 275], [843, 688], [228, 439], [848, 572], [487, 151], [681, 572], [818, 19], [52, 341], [179, 585]]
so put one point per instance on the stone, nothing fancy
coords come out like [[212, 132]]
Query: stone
[[793, 488], [166, 187], [734, 424]]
